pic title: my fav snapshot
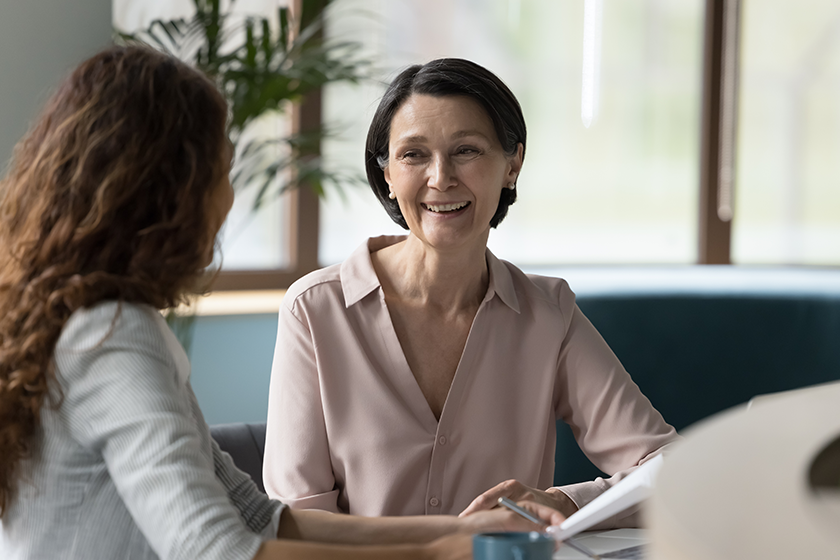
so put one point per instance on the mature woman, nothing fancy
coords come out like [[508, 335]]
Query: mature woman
[[109, 214], [423, 374]]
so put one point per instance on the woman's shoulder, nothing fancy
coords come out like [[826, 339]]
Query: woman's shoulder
[[346, 282], [118, 328], [547, 296], [539, 289], [327, 279], [90, 327], [100, 341]]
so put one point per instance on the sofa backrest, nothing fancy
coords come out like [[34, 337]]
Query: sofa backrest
[[245, 443], [696, 348]]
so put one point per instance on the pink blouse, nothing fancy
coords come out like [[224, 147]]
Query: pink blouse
[[349, 429]]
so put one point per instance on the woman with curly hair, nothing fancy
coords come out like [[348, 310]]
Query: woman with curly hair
[[109, 214]]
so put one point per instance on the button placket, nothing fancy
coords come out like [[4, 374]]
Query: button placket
[[435, 490]]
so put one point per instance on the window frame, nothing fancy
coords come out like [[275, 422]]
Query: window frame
[[718, 120]]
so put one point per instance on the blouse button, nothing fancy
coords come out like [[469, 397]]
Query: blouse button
[[442, 440], [434, 502]]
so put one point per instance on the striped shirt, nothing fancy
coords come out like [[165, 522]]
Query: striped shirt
[[125, 467]]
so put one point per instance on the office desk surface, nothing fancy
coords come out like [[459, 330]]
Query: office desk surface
[[737, 487]]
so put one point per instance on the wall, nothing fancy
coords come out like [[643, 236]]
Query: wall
[[40, 41], [231, 366]]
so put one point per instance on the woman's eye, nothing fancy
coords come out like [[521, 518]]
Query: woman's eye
[[467, 151], [410, 154]]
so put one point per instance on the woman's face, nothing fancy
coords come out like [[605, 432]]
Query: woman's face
[[447, 169]]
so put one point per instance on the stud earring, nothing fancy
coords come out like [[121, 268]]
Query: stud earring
[[392, 195], [511, 186]]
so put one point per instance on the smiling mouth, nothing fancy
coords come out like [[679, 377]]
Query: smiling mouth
[[444, 208]]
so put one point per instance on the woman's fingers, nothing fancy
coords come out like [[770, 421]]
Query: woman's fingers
[[496, 520], [547, 513], [512, 489], [506, 520]]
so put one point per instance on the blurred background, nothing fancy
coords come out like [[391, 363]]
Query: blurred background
[[632, 129]]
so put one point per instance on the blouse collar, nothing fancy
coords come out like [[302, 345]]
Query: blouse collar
[[358, 277]]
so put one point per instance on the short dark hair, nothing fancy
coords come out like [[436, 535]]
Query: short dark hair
[[444, 77]]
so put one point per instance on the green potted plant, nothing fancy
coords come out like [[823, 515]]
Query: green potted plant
[[264, 66]]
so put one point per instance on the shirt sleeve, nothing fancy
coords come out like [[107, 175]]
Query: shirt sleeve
[[123, 402], [297, 469], [614, 424], [261, 515]]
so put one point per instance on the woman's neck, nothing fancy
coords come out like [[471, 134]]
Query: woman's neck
[[418, 274]]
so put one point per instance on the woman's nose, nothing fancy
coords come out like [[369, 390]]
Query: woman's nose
[[442, 173]]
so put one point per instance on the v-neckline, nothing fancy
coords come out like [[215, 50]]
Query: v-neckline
[[406, 380]]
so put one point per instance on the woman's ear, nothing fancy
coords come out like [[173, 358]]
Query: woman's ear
[[515, 163], [386, 171]]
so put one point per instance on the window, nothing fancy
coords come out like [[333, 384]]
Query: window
[[622, 190], [714, 135], [787, 194]]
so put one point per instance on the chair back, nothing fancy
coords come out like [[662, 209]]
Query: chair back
[[245, 443]]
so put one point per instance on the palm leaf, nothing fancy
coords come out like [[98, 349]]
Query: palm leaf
[[262, 71]]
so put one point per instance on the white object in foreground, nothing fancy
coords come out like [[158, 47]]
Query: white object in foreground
[[634, 488], [758, 502]]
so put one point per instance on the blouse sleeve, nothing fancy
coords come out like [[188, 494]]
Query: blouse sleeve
[[614, 424], [297, 468], [123, 402]]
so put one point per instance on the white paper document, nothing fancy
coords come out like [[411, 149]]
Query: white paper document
[[634, 488]]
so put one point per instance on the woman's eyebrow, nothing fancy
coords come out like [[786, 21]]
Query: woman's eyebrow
[[465, 133], [455, 136], [410, 139]]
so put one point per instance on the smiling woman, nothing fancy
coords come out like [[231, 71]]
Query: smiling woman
[[447, 163], [424, 371]]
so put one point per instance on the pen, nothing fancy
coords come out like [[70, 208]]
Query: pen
[[512, 506]]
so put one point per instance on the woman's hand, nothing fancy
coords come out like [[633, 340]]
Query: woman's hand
[[516, 491], [458, 546], [506, 520]]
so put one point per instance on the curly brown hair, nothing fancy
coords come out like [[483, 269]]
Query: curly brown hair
[[107, 198]]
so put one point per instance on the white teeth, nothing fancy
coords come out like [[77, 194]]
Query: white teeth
[[445, 207]]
